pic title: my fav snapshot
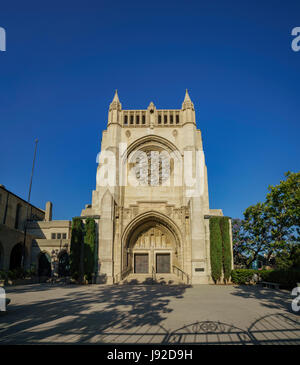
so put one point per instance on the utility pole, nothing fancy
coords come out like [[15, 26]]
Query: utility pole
[[28, 201]]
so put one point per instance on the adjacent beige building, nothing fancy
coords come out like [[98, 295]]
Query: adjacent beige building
[[159, 225], [26, 228], [51, 238], [14, 212]]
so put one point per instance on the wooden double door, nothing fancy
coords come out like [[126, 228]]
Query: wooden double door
[[141, 263], [162, 263]]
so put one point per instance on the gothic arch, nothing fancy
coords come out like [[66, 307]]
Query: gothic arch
[[16, 256], [169, 236], [44, 263], [154, 217], [152, 139], [63, 263]]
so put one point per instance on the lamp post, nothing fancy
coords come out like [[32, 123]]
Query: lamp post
[[28, 201]]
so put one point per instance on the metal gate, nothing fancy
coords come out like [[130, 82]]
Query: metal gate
[[162, 262], [141, 264]]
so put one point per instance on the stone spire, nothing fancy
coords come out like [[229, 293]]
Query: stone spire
[[115, 104], [187, 102]]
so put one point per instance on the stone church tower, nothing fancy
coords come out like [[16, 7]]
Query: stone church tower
[[157, 225]]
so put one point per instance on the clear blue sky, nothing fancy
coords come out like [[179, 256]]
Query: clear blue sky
[[65, 58]]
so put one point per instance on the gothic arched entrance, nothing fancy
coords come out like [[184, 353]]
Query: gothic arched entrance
[[152, 249], [16, 257], [44, 268], [63, 264], [152, 246]]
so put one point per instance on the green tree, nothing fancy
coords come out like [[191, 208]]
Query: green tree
[[256, 228], [215, 248], [271, 228], [238, 244], [283, 208], [288, 257]]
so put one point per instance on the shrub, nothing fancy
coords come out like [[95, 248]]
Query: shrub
[[18, 273], [242, 276], [215, 248]]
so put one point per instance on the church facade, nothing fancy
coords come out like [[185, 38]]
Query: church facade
[[151, 200]]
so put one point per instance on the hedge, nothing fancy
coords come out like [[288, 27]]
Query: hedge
[[82, 250], [215, 249], [242, 276], [89, 247], [19, 273], [75, 247], [226, 249], [286, 278]]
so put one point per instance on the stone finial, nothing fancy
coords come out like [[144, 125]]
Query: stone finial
[[151, 106], [187, 102], [151, 109], [115, 104]]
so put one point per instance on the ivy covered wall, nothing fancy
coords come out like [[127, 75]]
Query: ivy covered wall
[[82, 250], [220, 248]]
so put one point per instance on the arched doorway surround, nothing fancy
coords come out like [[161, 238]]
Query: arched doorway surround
[[151, 242], [44, 264], [63, 263], [16, 257]]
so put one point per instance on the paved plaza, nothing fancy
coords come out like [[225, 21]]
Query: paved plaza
[[139, 314]]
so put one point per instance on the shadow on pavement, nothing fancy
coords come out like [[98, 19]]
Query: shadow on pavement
[[274, 329], [134, 315], [93, 315], [268, 298]]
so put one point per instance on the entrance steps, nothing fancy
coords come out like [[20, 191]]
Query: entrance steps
[[146, 279]]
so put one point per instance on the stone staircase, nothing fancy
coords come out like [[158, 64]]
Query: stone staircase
[[146, 279]]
